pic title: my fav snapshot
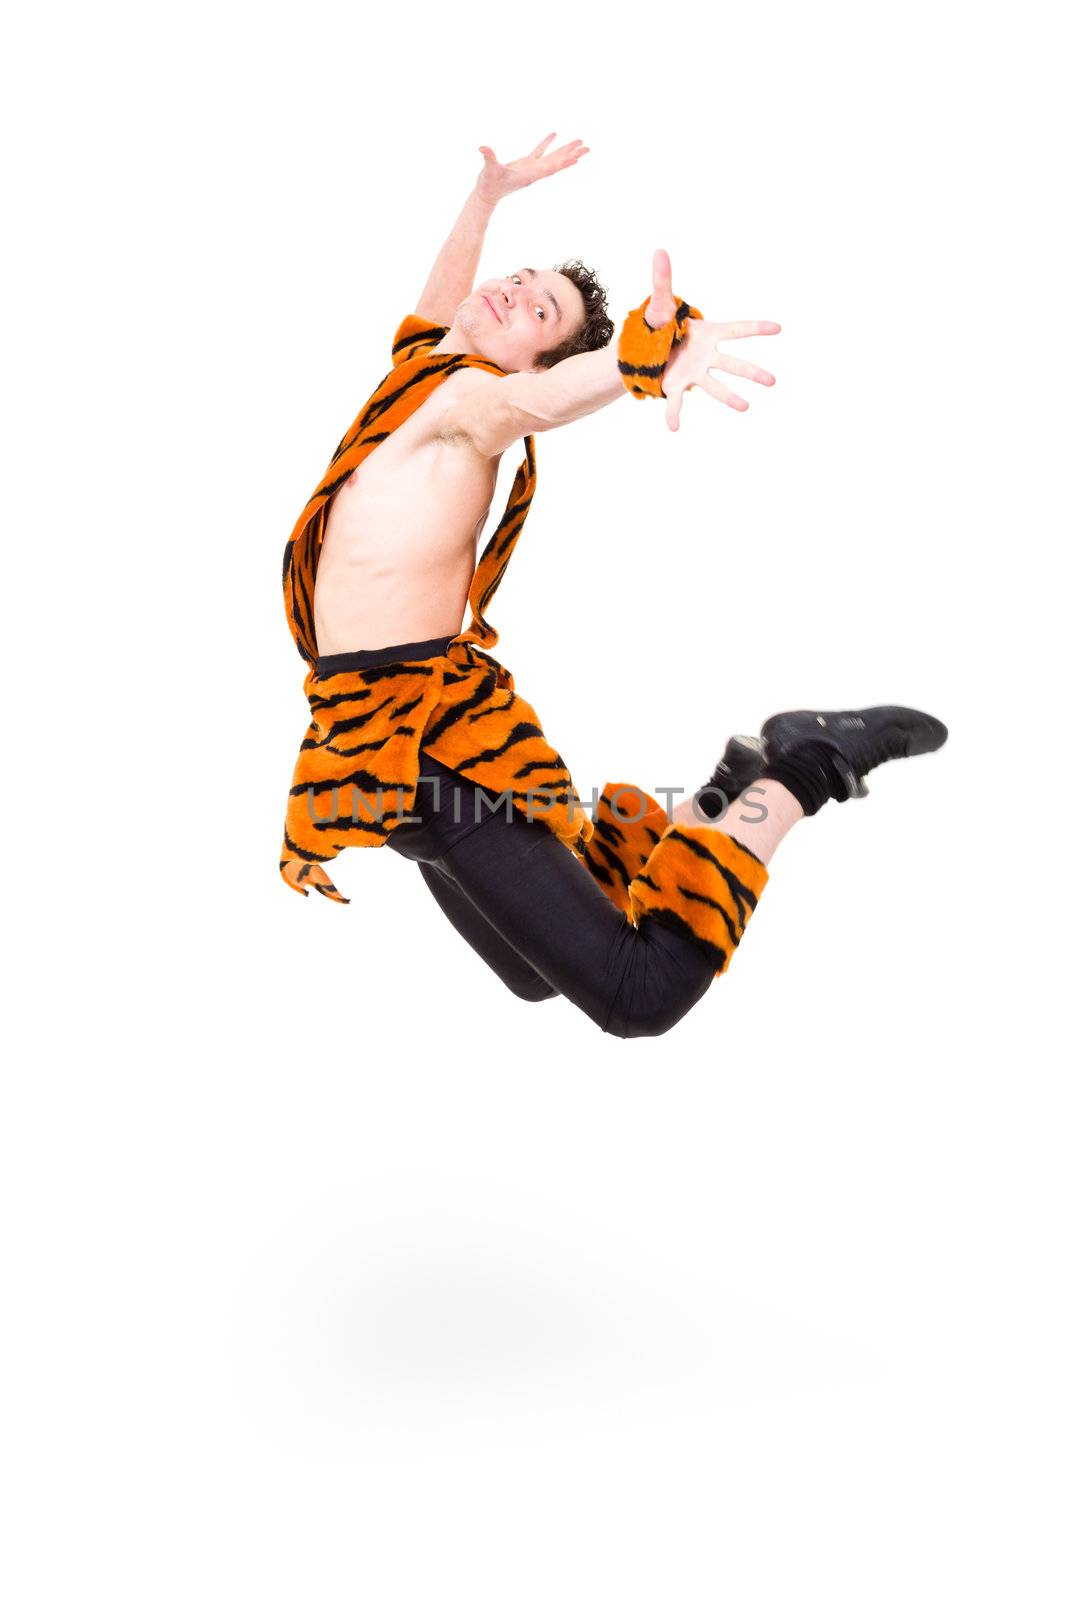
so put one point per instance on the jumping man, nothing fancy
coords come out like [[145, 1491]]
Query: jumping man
[[418, 738]]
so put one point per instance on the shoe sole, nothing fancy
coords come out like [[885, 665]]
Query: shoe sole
[[926, 733]]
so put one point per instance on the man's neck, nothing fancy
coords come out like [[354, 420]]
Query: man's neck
[[455, 342]]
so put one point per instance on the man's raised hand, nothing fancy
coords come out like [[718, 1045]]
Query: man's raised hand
[[690, 363], [497, 179]]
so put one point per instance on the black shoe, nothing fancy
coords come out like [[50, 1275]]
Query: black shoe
[[856, 741], [742, 764]]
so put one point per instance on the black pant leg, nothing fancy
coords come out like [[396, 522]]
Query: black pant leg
[[633, 982], [510, 967]]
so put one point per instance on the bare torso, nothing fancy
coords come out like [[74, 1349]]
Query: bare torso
[[401, 536]]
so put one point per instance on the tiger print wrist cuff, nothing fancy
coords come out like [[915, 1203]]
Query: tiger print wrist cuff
[[643, 351]]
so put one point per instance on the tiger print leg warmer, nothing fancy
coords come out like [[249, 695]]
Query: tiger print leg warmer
[[696, 880], [627, 825]]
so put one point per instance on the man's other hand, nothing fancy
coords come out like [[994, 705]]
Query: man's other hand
[[690, 363], [497, 179]]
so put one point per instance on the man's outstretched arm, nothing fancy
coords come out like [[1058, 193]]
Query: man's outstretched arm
[[496, 412], [452, 276]]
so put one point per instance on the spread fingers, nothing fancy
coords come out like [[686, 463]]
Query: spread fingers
[[727, 396], [744, 369], [745, 330]]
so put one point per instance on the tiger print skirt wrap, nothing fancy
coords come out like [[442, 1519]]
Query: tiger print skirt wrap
[[358, 767], [357, 770]]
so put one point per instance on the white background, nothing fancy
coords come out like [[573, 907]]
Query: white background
[[331, 1268]]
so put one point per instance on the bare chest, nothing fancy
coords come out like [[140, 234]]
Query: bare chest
[[401, 535], [423, 490]]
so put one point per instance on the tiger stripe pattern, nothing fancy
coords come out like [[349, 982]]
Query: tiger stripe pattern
[[357, 771], [696, 879], [627, 826], [643, 352]]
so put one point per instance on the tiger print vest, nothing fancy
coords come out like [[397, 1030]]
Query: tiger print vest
[[358, 767], [415, 375]]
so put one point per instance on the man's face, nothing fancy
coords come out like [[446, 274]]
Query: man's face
[[511, 319]]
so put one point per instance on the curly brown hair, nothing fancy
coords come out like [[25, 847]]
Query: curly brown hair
[[596, 330]]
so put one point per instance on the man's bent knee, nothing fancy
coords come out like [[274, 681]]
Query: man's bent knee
[[658, 996]]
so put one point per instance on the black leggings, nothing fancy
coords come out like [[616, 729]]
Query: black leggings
[[530, 909]]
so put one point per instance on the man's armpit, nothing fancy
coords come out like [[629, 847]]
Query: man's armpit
[[472, 415]]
